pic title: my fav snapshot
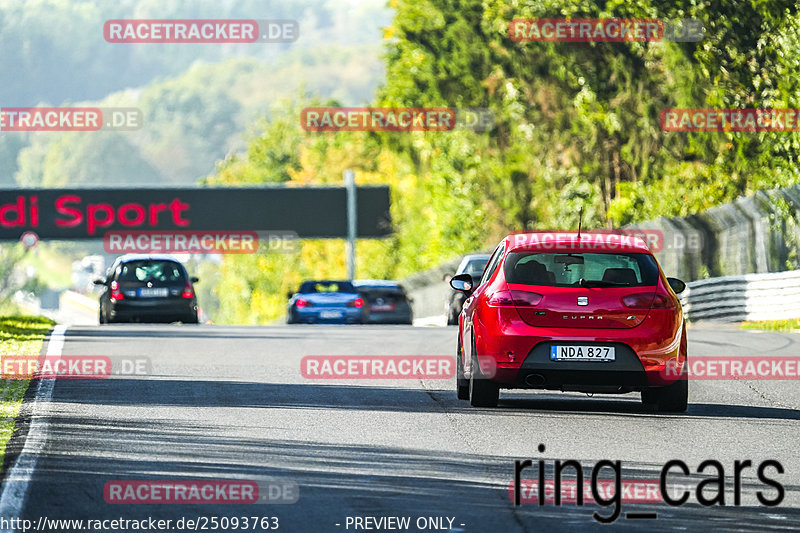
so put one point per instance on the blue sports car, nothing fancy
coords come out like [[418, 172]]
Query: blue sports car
[[327, 301]]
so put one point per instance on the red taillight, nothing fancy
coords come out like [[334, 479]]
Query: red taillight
[[358, 302], [662, 301], [501, 299], [116, 294], [188, 291], [638, 301], [301, 303], [648, 300], [514, 299]]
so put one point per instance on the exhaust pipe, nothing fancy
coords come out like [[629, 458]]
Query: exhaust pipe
[[534, 380]]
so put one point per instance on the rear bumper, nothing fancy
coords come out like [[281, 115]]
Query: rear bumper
[[651, 354], [394, 317], [347, 315], [625, 374], [178, 309]]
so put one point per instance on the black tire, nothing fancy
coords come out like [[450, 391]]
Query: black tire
[[102, 317], [670, 399], [191, 319], [482, 392], [462, 383]]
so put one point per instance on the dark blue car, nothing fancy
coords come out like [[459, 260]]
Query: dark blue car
[[336, 302]]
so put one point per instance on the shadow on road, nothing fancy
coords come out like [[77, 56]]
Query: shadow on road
[[217, 393]]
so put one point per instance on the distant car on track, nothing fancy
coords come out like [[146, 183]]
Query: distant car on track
[[326, 301], [147, 288], [561, 317], [387, 301], [472, 264]]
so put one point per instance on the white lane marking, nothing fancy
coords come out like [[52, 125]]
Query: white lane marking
[[17, 482]]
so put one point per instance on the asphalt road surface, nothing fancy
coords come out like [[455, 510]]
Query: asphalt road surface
[[230, 403]]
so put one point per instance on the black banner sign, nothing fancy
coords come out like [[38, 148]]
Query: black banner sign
[[311, 212]]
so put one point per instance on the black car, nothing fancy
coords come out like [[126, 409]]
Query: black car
[[386, 301], [147, 288], [473, 265]]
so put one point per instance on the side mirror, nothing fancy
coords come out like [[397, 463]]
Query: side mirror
[[99, 281], [289, 295], [462, 283], [677, 285], [194, 279]]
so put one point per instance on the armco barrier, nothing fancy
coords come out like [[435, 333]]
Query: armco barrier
[[746, 248], [753, 297], [773, 296], [754, 234], [74, 300]]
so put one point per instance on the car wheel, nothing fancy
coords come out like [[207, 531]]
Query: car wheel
[[102, 317], [109, 320], [192, 319], [482, 392], [670, 399], [462, 383]]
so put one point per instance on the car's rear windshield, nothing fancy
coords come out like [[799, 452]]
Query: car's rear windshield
[[380, 288], [382, 292], [145, 270], [475, 267], [581, 269], [326, 286]]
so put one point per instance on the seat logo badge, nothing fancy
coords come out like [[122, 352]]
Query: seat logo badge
[[583, 300]]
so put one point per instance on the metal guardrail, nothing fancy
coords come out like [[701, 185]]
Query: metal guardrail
[[774, 296], [82, 302]]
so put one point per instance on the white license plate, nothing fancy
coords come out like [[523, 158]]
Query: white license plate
[[330, 314], [153, 292], [381, 308], [582, 353]]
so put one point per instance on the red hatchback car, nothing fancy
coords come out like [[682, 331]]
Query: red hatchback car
[[590, 313]]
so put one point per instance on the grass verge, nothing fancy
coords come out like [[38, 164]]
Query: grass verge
[[773, 325], [19, 335]]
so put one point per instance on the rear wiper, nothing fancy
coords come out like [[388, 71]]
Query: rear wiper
[[597, 283]]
